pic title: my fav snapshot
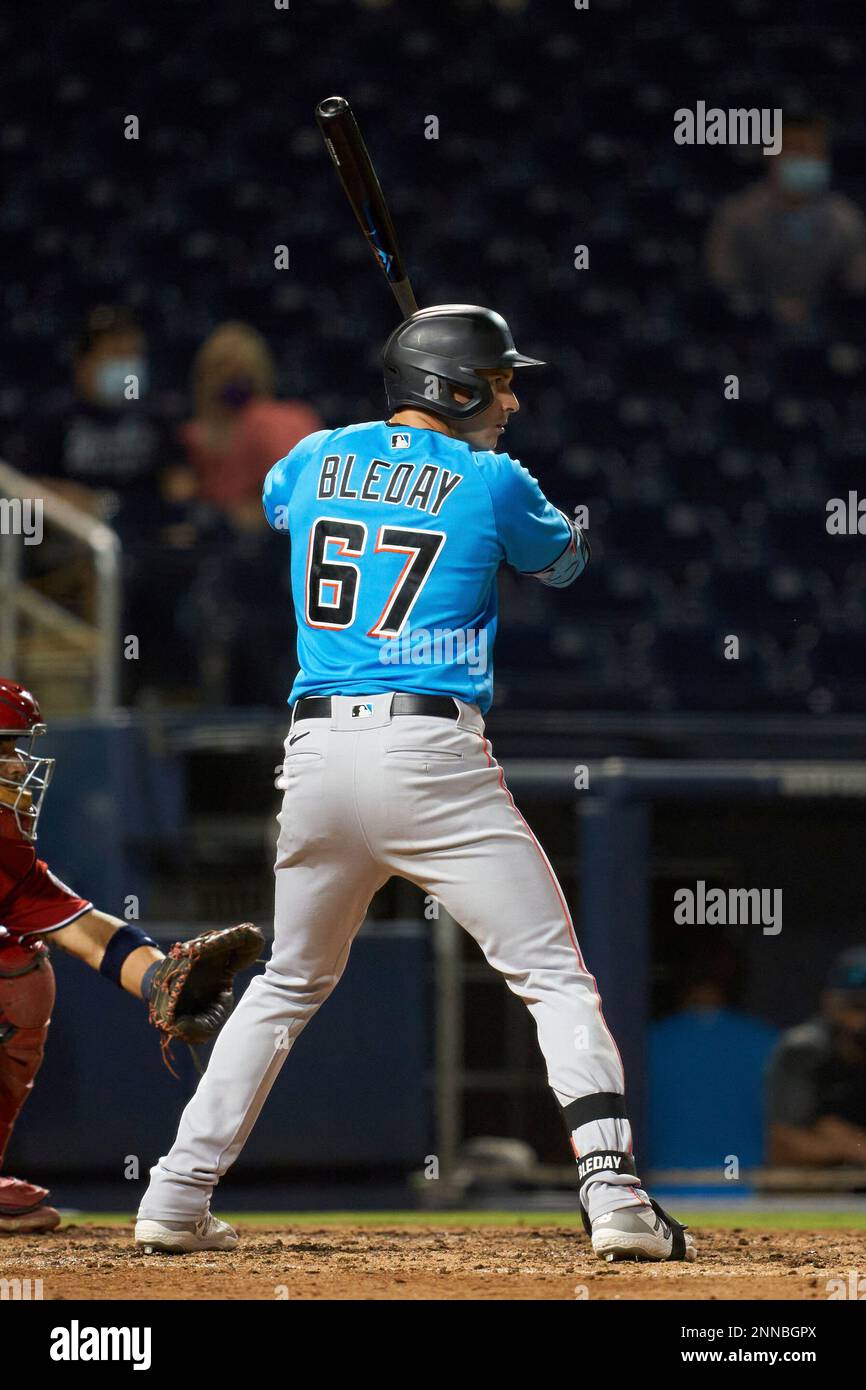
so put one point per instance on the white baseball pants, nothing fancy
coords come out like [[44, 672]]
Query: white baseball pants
[[366, 798]]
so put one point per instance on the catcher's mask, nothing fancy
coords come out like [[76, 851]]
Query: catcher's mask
[[24, 777], [442, 348]]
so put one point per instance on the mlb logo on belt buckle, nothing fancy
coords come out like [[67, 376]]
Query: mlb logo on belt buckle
[[401, 441], [362, 711]]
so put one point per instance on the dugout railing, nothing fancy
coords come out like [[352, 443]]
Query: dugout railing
[[68, 640]]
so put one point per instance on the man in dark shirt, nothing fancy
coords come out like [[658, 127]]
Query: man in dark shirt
[[816, 1077], [790, 242], [105, 451]]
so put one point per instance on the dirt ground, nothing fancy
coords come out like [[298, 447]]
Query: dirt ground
[[540, 1262]]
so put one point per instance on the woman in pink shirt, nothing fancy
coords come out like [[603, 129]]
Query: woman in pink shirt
[[239, 431]]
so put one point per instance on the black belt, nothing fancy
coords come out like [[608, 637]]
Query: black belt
[[436, 706]]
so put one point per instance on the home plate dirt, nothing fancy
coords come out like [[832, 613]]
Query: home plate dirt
[[417, 1262]]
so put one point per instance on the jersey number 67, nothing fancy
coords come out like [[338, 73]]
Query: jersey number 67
[[333, 584]]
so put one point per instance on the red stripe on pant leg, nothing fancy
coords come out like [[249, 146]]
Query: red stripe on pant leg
[[559, 894]]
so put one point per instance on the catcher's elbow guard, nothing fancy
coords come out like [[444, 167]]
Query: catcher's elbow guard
[[572, 562]]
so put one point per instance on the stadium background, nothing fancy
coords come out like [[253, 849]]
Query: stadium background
[[706, 517]]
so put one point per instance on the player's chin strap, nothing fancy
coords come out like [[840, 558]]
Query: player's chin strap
[[594, 1165]]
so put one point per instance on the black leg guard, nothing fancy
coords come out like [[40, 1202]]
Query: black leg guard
[[592, 1165]]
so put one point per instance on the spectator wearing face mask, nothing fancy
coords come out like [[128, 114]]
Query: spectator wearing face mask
[[788, 244], [239, 430], [816, 1078], [105, 451], [236, 435]]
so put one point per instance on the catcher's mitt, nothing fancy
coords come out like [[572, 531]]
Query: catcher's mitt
[[191, 993]]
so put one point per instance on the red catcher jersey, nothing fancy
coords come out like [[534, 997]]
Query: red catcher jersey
[[32, 900]]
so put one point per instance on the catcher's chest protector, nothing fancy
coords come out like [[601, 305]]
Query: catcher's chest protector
[[27, 991]]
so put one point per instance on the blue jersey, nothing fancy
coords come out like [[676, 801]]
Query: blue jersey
[[397, 534]]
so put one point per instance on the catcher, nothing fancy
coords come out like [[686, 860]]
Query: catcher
[[188, 992]]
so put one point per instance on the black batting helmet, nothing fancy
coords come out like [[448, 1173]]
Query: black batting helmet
[[444, 347]]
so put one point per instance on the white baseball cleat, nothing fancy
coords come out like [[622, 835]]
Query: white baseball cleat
[[641, 1233], [183, 1237]]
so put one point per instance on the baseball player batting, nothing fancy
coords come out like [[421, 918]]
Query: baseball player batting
[[188, 991], [398, 527]]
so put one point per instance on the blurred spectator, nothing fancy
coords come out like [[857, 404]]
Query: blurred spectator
[[816, 1080], [706, 1064], [788, 243], [105, 451], [239, 431], [240, 598], [108, 454]]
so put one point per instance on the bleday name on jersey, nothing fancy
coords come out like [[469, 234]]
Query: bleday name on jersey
[[424, 477]]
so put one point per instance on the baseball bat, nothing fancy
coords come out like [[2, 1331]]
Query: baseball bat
[[345, 145]]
